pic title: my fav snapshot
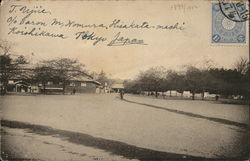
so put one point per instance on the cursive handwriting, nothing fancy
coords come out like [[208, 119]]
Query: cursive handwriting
[[120, 41], [177, 26], [25, 21], [28, 11], [118, 24], [25, 14], [38, 21], [86, 35], [34, 32], [145, 25], [73, 24]]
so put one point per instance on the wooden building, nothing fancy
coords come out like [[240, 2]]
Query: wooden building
[[26, 83]]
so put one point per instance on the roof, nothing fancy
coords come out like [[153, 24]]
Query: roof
[[81, 78], [118, 85], [84, 78]]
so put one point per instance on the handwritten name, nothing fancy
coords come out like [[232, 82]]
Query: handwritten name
[[28, 11], [121, 41], [73, 24]]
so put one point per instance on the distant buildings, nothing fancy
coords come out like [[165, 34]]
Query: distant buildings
[[25, 82], [117, 87]]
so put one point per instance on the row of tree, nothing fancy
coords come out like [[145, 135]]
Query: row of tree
[[225, 82], [59, 71], [56, 70]]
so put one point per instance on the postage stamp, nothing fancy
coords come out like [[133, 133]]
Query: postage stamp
[[229, 22]]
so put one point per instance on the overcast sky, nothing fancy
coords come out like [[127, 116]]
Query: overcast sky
[[168, 48]]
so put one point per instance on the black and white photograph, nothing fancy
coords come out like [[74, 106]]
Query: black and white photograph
[[121, 80]]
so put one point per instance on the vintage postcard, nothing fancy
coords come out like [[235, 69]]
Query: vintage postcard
[[124, 80]]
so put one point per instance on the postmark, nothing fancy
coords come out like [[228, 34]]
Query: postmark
[[226, 26], [235, 11]]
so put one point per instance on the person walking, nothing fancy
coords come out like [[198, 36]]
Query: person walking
[[121, 94], [74, 91]]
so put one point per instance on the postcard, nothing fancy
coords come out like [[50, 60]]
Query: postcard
[[124, 80]]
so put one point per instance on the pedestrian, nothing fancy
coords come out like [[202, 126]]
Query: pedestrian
[[74, 91], [121, 94], [1, 91]]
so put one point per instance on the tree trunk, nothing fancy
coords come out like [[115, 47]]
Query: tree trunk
[[216, 98], [44, 86], [202, 95], [170, 94], [156, 94], [4, 88], [63, 88]]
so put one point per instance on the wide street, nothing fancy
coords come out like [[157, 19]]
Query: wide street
[[104, 127]]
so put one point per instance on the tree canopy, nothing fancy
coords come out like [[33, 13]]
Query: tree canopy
[[9, 64], [225, 82], [61, 70]]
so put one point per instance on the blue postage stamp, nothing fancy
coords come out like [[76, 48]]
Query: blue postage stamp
[[229, 22]]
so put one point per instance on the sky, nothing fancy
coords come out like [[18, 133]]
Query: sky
[[171, 48]]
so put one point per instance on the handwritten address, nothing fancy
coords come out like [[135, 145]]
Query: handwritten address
[[23, 21]]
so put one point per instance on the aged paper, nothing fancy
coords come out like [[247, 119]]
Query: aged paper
[[114, 109]]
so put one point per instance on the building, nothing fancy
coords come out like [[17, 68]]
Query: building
[[117, 87], [83, 84], [25, 82]]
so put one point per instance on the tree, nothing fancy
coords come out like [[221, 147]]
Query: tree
[[245, 84], [132, 86], [5, 47], [242, 65], [176, 81], [193, 79], [105, 80], [102, 78], [200, 80], [153, 79], [227, 82], [171, 81], [9, 64], [43, 74], [60, 70]]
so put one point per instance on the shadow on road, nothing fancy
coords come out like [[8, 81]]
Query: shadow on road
[[114, 147], [219, 120]]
